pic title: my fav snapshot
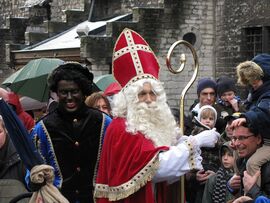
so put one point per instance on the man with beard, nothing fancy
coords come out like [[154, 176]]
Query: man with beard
[[69, 137], [143, 150]]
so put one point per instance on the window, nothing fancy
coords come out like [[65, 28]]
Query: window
[[257, 40], [190, 37]]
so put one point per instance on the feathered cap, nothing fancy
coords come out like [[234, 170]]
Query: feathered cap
[[133, 59]]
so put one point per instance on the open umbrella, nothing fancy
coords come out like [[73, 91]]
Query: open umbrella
[[103, 81], [29, 104], [20, 137], [31, 80]]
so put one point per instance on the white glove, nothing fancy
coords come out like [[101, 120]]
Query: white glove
[[207, 138]]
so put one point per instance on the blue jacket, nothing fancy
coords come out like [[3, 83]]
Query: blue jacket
[[258, 116]]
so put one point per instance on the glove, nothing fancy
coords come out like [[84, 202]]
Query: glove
[[207, 138]]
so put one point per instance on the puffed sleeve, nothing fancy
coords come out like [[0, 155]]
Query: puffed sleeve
[[178, 160]]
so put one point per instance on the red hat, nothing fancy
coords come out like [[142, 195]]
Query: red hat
[[133, 59], [112, 89]]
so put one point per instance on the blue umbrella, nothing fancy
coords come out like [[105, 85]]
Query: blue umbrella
[[20, 137]]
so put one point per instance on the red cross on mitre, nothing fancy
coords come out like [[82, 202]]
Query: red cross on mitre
[[133, 59]]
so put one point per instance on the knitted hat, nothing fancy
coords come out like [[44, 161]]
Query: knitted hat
[[225, 84], [263, 60], [133, 59], [206, 83]]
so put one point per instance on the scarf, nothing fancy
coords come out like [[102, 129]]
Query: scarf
[[223, 103], [219, 194]]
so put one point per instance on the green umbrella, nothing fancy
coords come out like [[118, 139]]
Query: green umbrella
[[103, 81], [31, 80]]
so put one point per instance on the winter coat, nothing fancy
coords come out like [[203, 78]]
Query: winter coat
[[258, 116], [255, 190], [11, 166], [209, 188]]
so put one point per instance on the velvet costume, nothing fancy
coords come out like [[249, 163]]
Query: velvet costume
[[131, 169], [71, 144], [128, 164]]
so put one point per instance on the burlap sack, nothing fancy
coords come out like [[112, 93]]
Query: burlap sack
[[48, 193]]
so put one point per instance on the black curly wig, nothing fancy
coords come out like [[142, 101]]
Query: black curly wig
[[72, 71]]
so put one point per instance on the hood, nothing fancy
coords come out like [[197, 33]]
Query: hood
[[225, 145], [263, 60], [14, 100], [207, 107]]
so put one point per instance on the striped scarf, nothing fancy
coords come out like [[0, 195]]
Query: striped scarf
[[219, 194]]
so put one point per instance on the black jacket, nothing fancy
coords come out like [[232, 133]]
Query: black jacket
[[256, 191], [76, 140], [11, 166]]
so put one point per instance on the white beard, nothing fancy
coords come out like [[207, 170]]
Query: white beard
[[154, 120]]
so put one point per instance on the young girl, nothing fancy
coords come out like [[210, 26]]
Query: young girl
[[205, 120]]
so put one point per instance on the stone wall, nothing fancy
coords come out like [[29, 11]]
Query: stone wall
[[181, 18], [163, 26], [231, 17], [106, 8], [60, 6], [214, 27], [13, 14], [15, 8]]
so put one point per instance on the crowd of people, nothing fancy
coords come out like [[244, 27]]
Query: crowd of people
[[129, 148]]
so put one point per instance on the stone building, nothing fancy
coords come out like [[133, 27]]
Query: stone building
[[223, 32]]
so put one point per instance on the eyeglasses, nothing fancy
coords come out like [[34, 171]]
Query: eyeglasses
[[240, 138]]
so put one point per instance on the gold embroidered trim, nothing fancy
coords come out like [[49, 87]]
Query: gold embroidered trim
[[99, 148], [130, 187], [128, 49], [136, 78], [192, 158], [57, 168]]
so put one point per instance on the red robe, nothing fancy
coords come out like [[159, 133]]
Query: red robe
[[127, 165]]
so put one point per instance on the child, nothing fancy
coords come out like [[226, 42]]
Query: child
[[227, 99], [256, 74], [227, 102], [205, 120], [215, 188], [228, 132], [227, 136]]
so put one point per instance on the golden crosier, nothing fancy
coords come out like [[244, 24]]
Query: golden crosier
[[184, 91]]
